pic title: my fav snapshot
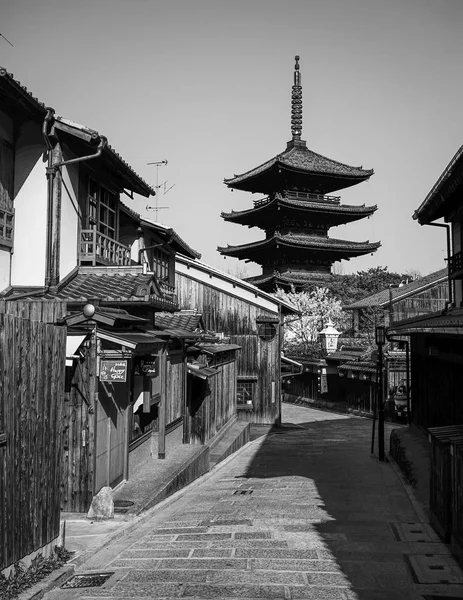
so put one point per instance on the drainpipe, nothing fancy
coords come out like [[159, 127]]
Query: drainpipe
[[54, 203], [447, 227]]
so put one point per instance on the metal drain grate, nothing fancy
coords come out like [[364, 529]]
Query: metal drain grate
[[88, 580], [242, 492]]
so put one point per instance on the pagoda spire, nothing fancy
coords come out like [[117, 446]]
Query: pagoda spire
[[296, 103]]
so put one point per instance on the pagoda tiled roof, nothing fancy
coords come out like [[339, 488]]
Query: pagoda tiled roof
[[310, 242], [383, 298], [299, 158], [288, 278], [344, 212]]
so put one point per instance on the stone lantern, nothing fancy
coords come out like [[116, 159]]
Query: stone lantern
[[329, 337]]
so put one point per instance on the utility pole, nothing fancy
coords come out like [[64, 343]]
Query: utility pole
[[380, 335]]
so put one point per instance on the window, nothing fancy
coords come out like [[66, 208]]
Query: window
[[6, 194], [267, 331], [161, 264], [245, 391], [102, 210]]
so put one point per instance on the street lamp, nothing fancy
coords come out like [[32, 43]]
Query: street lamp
[[380, 338], [329, 337]]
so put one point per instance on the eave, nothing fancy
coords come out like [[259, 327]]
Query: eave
[[113, 161], [20, 95], [335, 249], [436, 203], [307, 168], [327, 213]]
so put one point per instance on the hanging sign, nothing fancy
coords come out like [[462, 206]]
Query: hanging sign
[[113, 370], [148, 366]]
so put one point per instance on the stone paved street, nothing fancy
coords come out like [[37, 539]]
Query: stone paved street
[[304, 512]]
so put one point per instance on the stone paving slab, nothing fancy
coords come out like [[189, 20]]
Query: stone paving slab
[[324, 521]]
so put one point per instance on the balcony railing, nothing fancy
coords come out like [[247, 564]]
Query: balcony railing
[[6, 227], [456, 265], [293, 195], [97, 248]]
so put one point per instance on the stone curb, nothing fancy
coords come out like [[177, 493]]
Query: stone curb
[[417, 507], [51, 581]]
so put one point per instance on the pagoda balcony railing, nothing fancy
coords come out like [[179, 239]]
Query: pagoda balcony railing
[[456, 265], [301, 196], [97, 248]]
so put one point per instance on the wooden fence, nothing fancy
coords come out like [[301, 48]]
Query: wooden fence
[[32, 372]]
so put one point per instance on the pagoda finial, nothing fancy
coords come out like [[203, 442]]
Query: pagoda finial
[[296, 103]]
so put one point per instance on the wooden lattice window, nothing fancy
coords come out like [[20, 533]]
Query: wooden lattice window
[[102, 210], [267, 331], [245, 393]]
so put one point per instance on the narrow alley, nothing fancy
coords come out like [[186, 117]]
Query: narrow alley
[[303, 512]]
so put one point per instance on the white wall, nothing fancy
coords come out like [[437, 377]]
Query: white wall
[[4, 269], [69, 219], [28, 266]]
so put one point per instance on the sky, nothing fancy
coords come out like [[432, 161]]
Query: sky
[[206, 85]]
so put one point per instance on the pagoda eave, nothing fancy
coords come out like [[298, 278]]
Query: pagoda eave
[[280, 176], [327, 248], [330, 215]]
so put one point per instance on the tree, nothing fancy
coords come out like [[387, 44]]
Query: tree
[[316, 308]]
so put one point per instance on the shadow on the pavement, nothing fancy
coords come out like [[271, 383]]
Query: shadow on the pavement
[[344, 504]]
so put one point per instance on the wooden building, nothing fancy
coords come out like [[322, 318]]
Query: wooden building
[[297, 212], [129, 371], [423, 295], [32, 351], [436, 339], [249, 318]]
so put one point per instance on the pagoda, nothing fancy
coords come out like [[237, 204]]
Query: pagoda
[[296, 213]]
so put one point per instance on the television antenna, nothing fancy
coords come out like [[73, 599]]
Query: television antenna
[[157, 187], [7, 40]]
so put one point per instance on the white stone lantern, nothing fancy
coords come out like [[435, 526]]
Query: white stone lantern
[[329, 337]]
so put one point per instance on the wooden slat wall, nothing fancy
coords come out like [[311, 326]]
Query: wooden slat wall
[[174, 386], [237, 319], [77, 456], [431, 300], [218, 403], [32, 351]]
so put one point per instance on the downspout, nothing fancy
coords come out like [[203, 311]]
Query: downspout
[[50, 177], [56, 206], [447, 227]]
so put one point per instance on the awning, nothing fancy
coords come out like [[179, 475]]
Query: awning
[[176, 333], [133, 340], [201, 371], [73, 341], [443, 323]]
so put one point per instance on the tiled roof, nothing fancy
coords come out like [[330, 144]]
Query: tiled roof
[[299, 157], [432, 206], [290, 277], [145, 188], [22, 90], [347, 353], [438, 323], [363, 366], [382, 298], [345, 212], [304, 241], [179, 320]]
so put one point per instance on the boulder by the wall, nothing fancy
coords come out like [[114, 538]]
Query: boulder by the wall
[[102, 507]]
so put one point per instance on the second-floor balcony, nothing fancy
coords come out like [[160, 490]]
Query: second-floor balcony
[[456, 265], [96, 248]]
